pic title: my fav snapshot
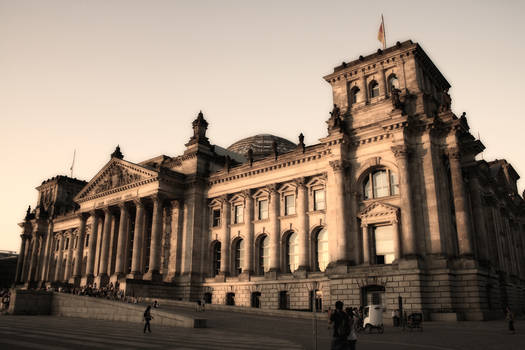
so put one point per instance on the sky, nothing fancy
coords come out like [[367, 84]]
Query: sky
[[88, 75]]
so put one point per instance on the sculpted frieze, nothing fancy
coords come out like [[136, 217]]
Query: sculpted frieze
[[116, 177]]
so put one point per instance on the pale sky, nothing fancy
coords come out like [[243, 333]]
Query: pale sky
[[88, 75]]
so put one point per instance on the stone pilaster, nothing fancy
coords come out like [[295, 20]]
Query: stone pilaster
[[138, 237], [122, 241], [302, 224], [397, 239], [460, 204], [103, 271], [407, 221], [69, 259], [248, 229], [155, 244], [366, 244], [92, 245], [46, 258], [27, 259], [34, 257], [58, 267], [340, 255], [479, 219], [21, 258], [275, 233], [225, 232], [77, 270]]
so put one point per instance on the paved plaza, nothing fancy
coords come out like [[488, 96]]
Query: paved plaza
[[240, 331]]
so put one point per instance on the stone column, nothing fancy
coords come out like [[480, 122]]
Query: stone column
[[122, 240], [302, 224], [364, 89], [396, 238], [338, 195], [275, 227], [136, 269], [155, 244], [384, 83], [92, 247], [21, 258], [77, 270], [366, 244], [58, 266], [225, 241], [479, 220], [46, 261], [248, 229], [460, 204], [34, 257], [407, 222], [71, 244], [104, 265]]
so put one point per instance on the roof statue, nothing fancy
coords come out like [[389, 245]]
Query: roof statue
[[117, 153]]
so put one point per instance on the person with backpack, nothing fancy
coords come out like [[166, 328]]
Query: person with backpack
[[342, 327], [147, 319]]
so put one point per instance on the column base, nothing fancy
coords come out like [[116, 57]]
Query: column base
[[76, 281], [153, 276], [271, 274], [245, 276], [87, 280], [135, 275], [301, 272], [101, 280], [338, 267]]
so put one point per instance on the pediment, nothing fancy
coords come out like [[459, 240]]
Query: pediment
[[378, 211], [116, 174]]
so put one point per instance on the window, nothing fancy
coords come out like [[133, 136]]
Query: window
[[353, 95], [67, 243], [216, 258], [216, 217], [230, 299], [321, 249], [289, 204], [380, 183], [292, 252], [319, 200], [239, 255], [393, 83], [239, 214], [87, 241], [384, 244], [263, 209], [256, 300], [284, 300], [374, 89], [264, 254]]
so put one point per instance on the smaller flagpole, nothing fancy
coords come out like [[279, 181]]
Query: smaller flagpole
[[384, 32], [73, 163]]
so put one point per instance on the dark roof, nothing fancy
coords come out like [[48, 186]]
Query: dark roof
[[262, 145]]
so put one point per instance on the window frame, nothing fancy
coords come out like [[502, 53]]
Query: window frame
[[317, 266], [259, 211], [374, 90], [290, 263], [289, 200], [368, 180], [238, 213], [216, 220], [315, 202]]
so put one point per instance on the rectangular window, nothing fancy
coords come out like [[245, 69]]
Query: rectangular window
[[239, 214], [319, 201], [263, 209], [87, 241], [384, 244], [289, 204], [216, 217]]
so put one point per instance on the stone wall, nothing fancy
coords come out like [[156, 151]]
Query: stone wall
[[29, 302]]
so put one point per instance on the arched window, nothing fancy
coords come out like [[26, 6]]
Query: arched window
[[292, 252], [321, 249], [380, 183], [239, 255], [353, 95], [264, 254], [393, 83], [374, 89], [216, 258]]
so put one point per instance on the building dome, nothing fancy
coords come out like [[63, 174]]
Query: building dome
[[262, 145]]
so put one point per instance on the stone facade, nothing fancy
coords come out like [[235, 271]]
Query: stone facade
[[392, 204]]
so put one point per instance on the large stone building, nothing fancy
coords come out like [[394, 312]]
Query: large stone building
[[391, 203]]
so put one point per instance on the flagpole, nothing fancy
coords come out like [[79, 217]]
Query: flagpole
[[384, 31], [73, 163]]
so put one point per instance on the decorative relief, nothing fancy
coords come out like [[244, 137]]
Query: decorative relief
[[339, 165], [379, 212], [400, 151], [116, 177]]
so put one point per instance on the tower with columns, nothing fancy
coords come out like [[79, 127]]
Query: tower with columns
[[391, 203]]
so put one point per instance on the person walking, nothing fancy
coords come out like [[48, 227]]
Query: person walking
[[147, 319], [510, 319], [352, 338], [341, 325]]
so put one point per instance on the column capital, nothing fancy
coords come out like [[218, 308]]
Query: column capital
[[247, 193], [107, 210], [139, 202], [300, 182], [83, 216], [339, 165], [157, 197], [272, 188], [400, 151]]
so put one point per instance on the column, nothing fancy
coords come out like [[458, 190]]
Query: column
[[34, 258], [397, 239], [71, 244], [92, 245], [21, 258], [383, 84], [136, 269], [225, 241], [122, 240], [58, 266], [366, 244], [77, 270], [479, 220], [27, 259], [275, 233], [460, 204], [248, 229], [302, 224], [341, 248], [155, 245], [408, 236], [104, 266], [364, 89], [46, 261]]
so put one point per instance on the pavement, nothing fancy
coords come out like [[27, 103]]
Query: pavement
[[232, 330]]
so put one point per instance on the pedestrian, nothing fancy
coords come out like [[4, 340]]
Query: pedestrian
[[155, 304], [341, 325], [510, 319], [147, 319]]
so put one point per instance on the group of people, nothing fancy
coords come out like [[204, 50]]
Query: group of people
[[110, 292], [345, 324], [5, 297]]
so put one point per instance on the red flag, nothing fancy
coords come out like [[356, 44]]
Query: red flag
[[381, 36]]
